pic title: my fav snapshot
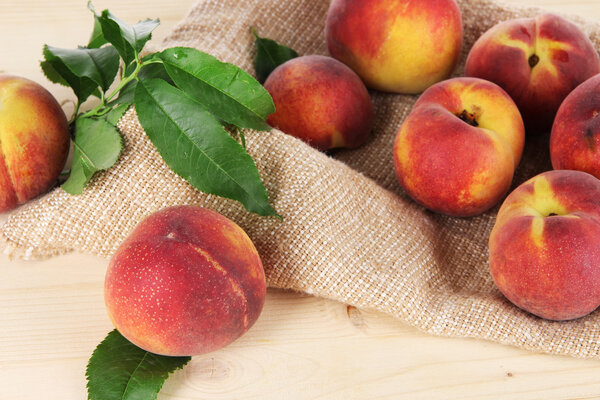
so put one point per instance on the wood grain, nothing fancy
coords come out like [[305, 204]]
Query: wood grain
[[53, 315]]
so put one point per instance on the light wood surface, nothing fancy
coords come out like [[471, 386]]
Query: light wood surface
[[52, 312]]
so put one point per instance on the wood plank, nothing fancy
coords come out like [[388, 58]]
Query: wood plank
[[301, 347]]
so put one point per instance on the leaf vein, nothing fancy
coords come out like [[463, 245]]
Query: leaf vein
[[84, 155], [133, 374]]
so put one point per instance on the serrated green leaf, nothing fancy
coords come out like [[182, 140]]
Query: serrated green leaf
[[119, 370], [56, 71], [127, 39], [97, 146], [269, 55], [97, 39], [224, 89], [99, 65], [52, 74], [194, 145], [114, 115], [84, 70]]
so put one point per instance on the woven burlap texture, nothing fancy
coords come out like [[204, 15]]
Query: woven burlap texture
[[349, 232]]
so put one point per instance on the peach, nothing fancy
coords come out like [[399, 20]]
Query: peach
[[545, 245], [457, 150], [34, 141], [186, 281], [538, 61], [321, 101], [575, 137], [399, 46]]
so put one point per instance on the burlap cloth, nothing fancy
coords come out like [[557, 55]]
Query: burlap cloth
[[349, 232]]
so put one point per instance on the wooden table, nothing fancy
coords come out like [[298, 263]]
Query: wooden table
[[52, 312]]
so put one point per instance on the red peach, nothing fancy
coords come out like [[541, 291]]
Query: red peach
[[538, 61], [575, 137], [34, 141], [400, 46], [545, 245], [186, 281], [321, 101], [457, 150]]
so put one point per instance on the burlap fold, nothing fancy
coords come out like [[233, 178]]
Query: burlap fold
[[348, 233]]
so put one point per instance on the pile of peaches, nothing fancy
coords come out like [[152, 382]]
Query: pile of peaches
[[189, 281], [457, 150]]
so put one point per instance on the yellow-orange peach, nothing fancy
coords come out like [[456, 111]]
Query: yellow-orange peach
[[321, 101], [34, 141], [186, 281], [400, 46], [545, 245], [457, 150], [575, 137], [538, 61]]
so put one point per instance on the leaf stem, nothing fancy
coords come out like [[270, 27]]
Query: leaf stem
[[98, 109]]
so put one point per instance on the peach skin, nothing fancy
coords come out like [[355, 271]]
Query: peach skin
[[457, 150], [397, 46], [538, 61], [575, 137], [186, 281], [545, 245], [320, 101], [34, 141]]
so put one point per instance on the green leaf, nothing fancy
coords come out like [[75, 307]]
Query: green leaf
[[128, 40], [99, 65], [52, 74], [97, 146], [56, 71], [224, 89], [115, 114], [269, 55], [82, 69], [97, 39], [194, 145], [119, 370]]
